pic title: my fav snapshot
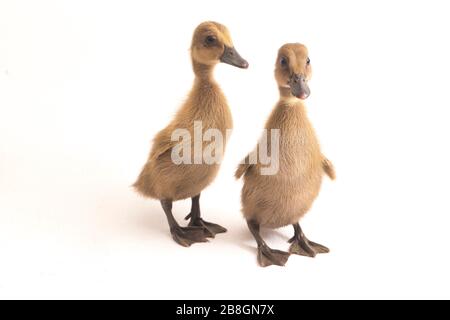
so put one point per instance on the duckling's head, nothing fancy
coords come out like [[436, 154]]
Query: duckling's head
[[212, 44], [293, 70]]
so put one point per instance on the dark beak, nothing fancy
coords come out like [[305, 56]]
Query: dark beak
[[299, 87], [231, 56]]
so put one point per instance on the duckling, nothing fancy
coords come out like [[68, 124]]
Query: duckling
[[167, 181], [282, 199]]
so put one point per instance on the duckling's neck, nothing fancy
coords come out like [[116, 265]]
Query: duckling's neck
[[287, 98], [203, 72], [285, 93]]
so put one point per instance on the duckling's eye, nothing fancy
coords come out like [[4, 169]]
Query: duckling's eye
[[283, 62], [308, 61], [210, 40]]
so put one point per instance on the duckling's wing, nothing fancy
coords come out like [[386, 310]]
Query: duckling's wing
[[160, 148], [243, 168], [162, 143], [328, 168]]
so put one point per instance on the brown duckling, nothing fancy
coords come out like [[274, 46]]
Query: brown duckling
[[283, 198], [167, 181]]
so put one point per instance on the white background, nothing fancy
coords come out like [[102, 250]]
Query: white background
[[85, 85]]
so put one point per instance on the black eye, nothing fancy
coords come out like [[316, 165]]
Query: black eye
[[283, 62], [210, 40], [308, 61]]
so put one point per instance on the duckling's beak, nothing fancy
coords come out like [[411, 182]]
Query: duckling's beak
[[231, 56], [299, 87]]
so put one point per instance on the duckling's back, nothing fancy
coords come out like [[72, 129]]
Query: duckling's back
[[161, 178]]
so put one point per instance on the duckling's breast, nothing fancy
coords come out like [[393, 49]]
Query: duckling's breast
[[277, 201], [283, 198]]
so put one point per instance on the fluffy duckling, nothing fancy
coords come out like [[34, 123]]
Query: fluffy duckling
[[281, 199], [161, 178]]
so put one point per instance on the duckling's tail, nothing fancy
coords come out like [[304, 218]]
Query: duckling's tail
[[145, 184]]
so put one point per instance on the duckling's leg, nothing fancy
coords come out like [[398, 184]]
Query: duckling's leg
[[304, 247], [210, 229], [266, 255], [183, 236]]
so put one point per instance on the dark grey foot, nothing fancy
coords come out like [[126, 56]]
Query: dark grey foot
[[268, 256], [188, 235], [210, 229], [304, 247]]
